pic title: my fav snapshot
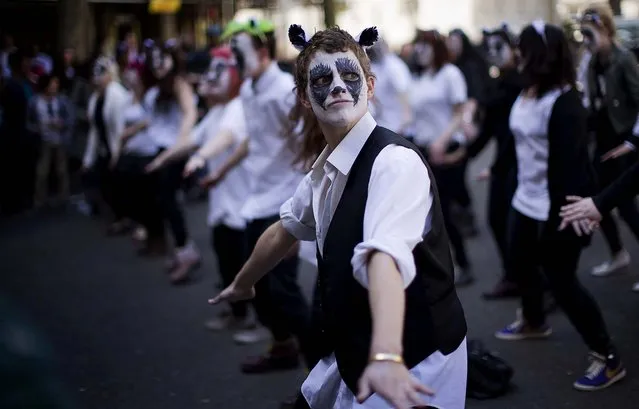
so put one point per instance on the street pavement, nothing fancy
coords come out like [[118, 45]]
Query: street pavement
[[129, 340]]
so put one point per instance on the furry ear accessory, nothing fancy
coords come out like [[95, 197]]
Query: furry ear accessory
[[298, 38], [368, 37]]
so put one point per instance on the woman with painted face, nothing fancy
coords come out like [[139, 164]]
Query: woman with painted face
[[505, 87], [438, 97], [172, 108], [613, 92], [220, 141], [550, 129], [387, 321], [106, 120]]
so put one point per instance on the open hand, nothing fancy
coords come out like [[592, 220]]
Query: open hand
[[620, 150], [581, 213], [233, 293], [394, 383]]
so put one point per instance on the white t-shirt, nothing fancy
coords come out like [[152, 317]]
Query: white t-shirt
[[393, 80], [141, 143], [432, 98], [228, 197], [529, 119]]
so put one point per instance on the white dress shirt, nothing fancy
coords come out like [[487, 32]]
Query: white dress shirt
[[267, 104], [226, 199], [141, 143], [396, 218]]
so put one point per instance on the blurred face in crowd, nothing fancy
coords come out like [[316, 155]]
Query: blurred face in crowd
[[500, 53], [217, 81], [596, 36], [338, 90], [68, 56], [424, 54], [53, 87], [247, 56], [162, 63], [102, 73]]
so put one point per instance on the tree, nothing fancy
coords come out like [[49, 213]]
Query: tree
[[615, 5], [329, 13]]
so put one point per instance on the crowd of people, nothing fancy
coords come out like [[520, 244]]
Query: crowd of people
[[381, 143]]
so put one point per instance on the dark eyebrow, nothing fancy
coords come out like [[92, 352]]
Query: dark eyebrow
[[345, 64], [320, 70]]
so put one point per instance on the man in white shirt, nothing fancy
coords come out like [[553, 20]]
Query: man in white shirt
[[387, 321], [267, 97]]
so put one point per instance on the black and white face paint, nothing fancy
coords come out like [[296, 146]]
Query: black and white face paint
[[337, 88], [162, 63], [592, 37], [499, 52], [248, 61], [424, 54], [217, 80]]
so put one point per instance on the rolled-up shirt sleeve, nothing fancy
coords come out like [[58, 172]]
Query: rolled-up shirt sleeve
[[296, 213], [397, 214]]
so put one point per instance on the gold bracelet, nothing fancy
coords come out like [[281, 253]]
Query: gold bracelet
[[387, 358]]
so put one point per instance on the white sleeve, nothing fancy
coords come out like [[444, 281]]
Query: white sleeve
[[457, 90], [296, 213], [233, 121], [400, 75], [397, 211]]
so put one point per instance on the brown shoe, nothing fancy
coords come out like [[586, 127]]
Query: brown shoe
[[282, 356]]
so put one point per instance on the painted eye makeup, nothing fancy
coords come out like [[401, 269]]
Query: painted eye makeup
[[321, 75]]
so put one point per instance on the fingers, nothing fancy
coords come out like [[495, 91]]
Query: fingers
[[573, 198], [563, 225], [421, 388], [577, 228], [363, 390], [585, 226], [414, 399]]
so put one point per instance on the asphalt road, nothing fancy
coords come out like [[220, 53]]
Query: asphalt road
[[128, 340]]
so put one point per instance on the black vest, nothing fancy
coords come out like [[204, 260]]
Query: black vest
[[434, 318]]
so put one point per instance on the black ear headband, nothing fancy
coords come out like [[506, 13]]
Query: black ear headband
[[296, 35]]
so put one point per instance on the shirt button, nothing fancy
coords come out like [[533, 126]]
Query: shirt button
[[615, 103]]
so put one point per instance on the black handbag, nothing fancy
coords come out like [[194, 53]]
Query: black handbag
[[488, 375]]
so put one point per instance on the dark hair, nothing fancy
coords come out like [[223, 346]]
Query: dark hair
[[441, 56], [166, 85], [266, 40], [469, 51], [547, 58], [332, 40]]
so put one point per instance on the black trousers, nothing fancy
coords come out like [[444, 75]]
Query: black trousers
[[279, 303], [134, 193], [539, 250], [459, 189], [607, 173], [301, 403], [500, 195], [228, 246], [168, 182]]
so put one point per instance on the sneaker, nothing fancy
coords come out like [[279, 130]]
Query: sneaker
[[250, 336], [603, 372], [619, 261], [519, 330]]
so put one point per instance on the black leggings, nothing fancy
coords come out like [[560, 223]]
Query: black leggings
[[537, 247], [133, 190], [279, 303], [500, 195], [168, 183], [228, 246], [607, 173]]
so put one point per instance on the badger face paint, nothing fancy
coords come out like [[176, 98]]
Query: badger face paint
[[592, 37], [248, 60], [217, 80], [424, 54], [499, 52], [162, 63], [337, 88]]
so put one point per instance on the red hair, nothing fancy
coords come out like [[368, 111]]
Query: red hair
[[225, 53]]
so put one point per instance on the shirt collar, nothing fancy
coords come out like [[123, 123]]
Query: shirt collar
[[266, 79], [344, 155]]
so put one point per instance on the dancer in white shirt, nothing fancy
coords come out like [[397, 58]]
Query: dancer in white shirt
[[387, 321]]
